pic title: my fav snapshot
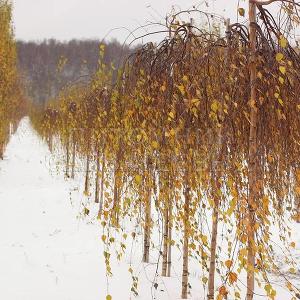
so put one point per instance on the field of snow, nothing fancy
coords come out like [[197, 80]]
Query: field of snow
[[49, 252]]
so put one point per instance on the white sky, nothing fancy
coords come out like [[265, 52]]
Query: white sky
[[67, 19]]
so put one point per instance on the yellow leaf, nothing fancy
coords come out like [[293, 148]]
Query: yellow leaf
[[172, 132], [181, 89], [270, 291], [292, 270], [259, 75], [163, 88], [282, 69], [138, 179], [214, 106], [243, 252], [154, 145], [223, 291], [241, 11], [204, 280], [268, 288], [232, 206], [195, 101], [283, 42], [108, 297], [171, 115], [192, 246], [256, 226], [204, 239], [232, 277], [270, 158], [103, 238], [279, 57], [228, 263], [265, 201], [281, 80]]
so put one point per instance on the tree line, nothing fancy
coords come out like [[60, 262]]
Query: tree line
[[12, 104], [48, 66]]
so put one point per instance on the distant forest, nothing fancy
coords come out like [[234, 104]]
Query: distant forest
[[48, 66]]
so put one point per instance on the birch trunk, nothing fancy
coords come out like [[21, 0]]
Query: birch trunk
[[117, 184], [297, 204], [87, 175], [167, 211], [1, 151], [68, 157], [213, 247], [73, 157], [185, 265], [116, 199], [165, 243], [253, 161], [97, 177], [102, 182], [147, 232], [217, 192], [50, 142], [169, 241]]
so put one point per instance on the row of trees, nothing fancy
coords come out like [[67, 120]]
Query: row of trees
[[199, 127], [11, 104]]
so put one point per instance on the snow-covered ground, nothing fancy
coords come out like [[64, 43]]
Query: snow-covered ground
[[47, 251]]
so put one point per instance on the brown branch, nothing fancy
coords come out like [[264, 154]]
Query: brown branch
[[267, 2]]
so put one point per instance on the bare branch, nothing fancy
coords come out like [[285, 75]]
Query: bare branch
[[267, 2]]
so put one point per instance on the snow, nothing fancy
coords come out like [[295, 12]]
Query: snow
[[49, 251], [45, 252]]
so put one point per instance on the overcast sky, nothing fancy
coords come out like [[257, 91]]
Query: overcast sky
[[67, 19]]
